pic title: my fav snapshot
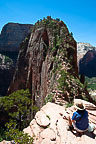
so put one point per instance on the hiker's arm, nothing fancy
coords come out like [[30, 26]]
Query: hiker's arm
[[73, 121]]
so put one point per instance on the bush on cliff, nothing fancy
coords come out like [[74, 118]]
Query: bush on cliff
[[12, 133], [18, 106]]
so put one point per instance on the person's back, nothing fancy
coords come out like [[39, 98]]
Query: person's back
[[81, 119]]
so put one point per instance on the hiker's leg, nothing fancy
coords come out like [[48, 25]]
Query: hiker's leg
[[78, 130], [91, 127]]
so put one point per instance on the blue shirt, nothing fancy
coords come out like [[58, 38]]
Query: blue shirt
[[83, 123]]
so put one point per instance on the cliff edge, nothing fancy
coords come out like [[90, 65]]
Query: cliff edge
[[49, 127]]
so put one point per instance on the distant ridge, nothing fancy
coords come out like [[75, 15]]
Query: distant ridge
[[86, 55], [12, 35], [84, 47]]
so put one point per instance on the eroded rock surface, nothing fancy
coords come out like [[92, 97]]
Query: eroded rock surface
[[87, 64], [83, 48], [56, 132], [46, 59], [86, 58], [6, 73], [5, 142], [12, 35]]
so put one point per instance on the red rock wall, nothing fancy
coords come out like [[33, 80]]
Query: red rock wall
[[36, 63]]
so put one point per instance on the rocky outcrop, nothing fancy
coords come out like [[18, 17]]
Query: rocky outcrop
[[12, 35], [6, 73], [5, 142], [87, 64], [86, 59], [93, 93], [47, 64], [50, 126], [84, 47]]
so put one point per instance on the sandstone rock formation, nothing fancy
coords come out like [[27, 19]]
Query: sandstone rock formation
[[87, 64], [49, 127], [93, 93], [6, 73], [83, 48], [5, 142], [86, 59], [47, 64], [12, 35]]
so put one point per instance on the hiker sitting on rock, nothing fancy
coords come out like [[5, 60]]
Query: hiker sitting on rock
[[79, 119]]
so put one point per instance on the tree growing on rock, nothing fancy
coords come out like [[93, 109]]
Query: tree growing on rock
[[18, 106]]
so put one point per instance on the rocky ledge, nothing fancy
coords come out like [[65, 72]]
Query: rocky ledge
[[50, 127]]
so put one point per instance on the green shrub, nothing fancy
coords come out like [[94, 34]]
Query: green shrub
[[18, 105], [48, 98], [7, 60], [12, 133], [2, 134], [91, 83], [69, 105], [48, 117], [57, 19], [62, 81], [79, 83]]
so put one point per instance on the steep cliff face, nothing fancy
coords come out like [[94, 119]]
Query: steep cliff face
[[87, 64], [6, 73], [86, 59], [82, 49], [47, 64], [12, 35]]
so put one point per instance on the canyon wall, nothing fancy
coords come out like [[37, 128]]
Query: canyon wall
[[47, 64]]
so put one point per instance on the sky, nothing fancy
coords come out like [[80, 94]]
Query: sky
[[78, 15]]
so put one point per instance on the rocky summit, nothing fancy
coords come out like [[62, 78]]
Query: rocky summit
[[47, 64]]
